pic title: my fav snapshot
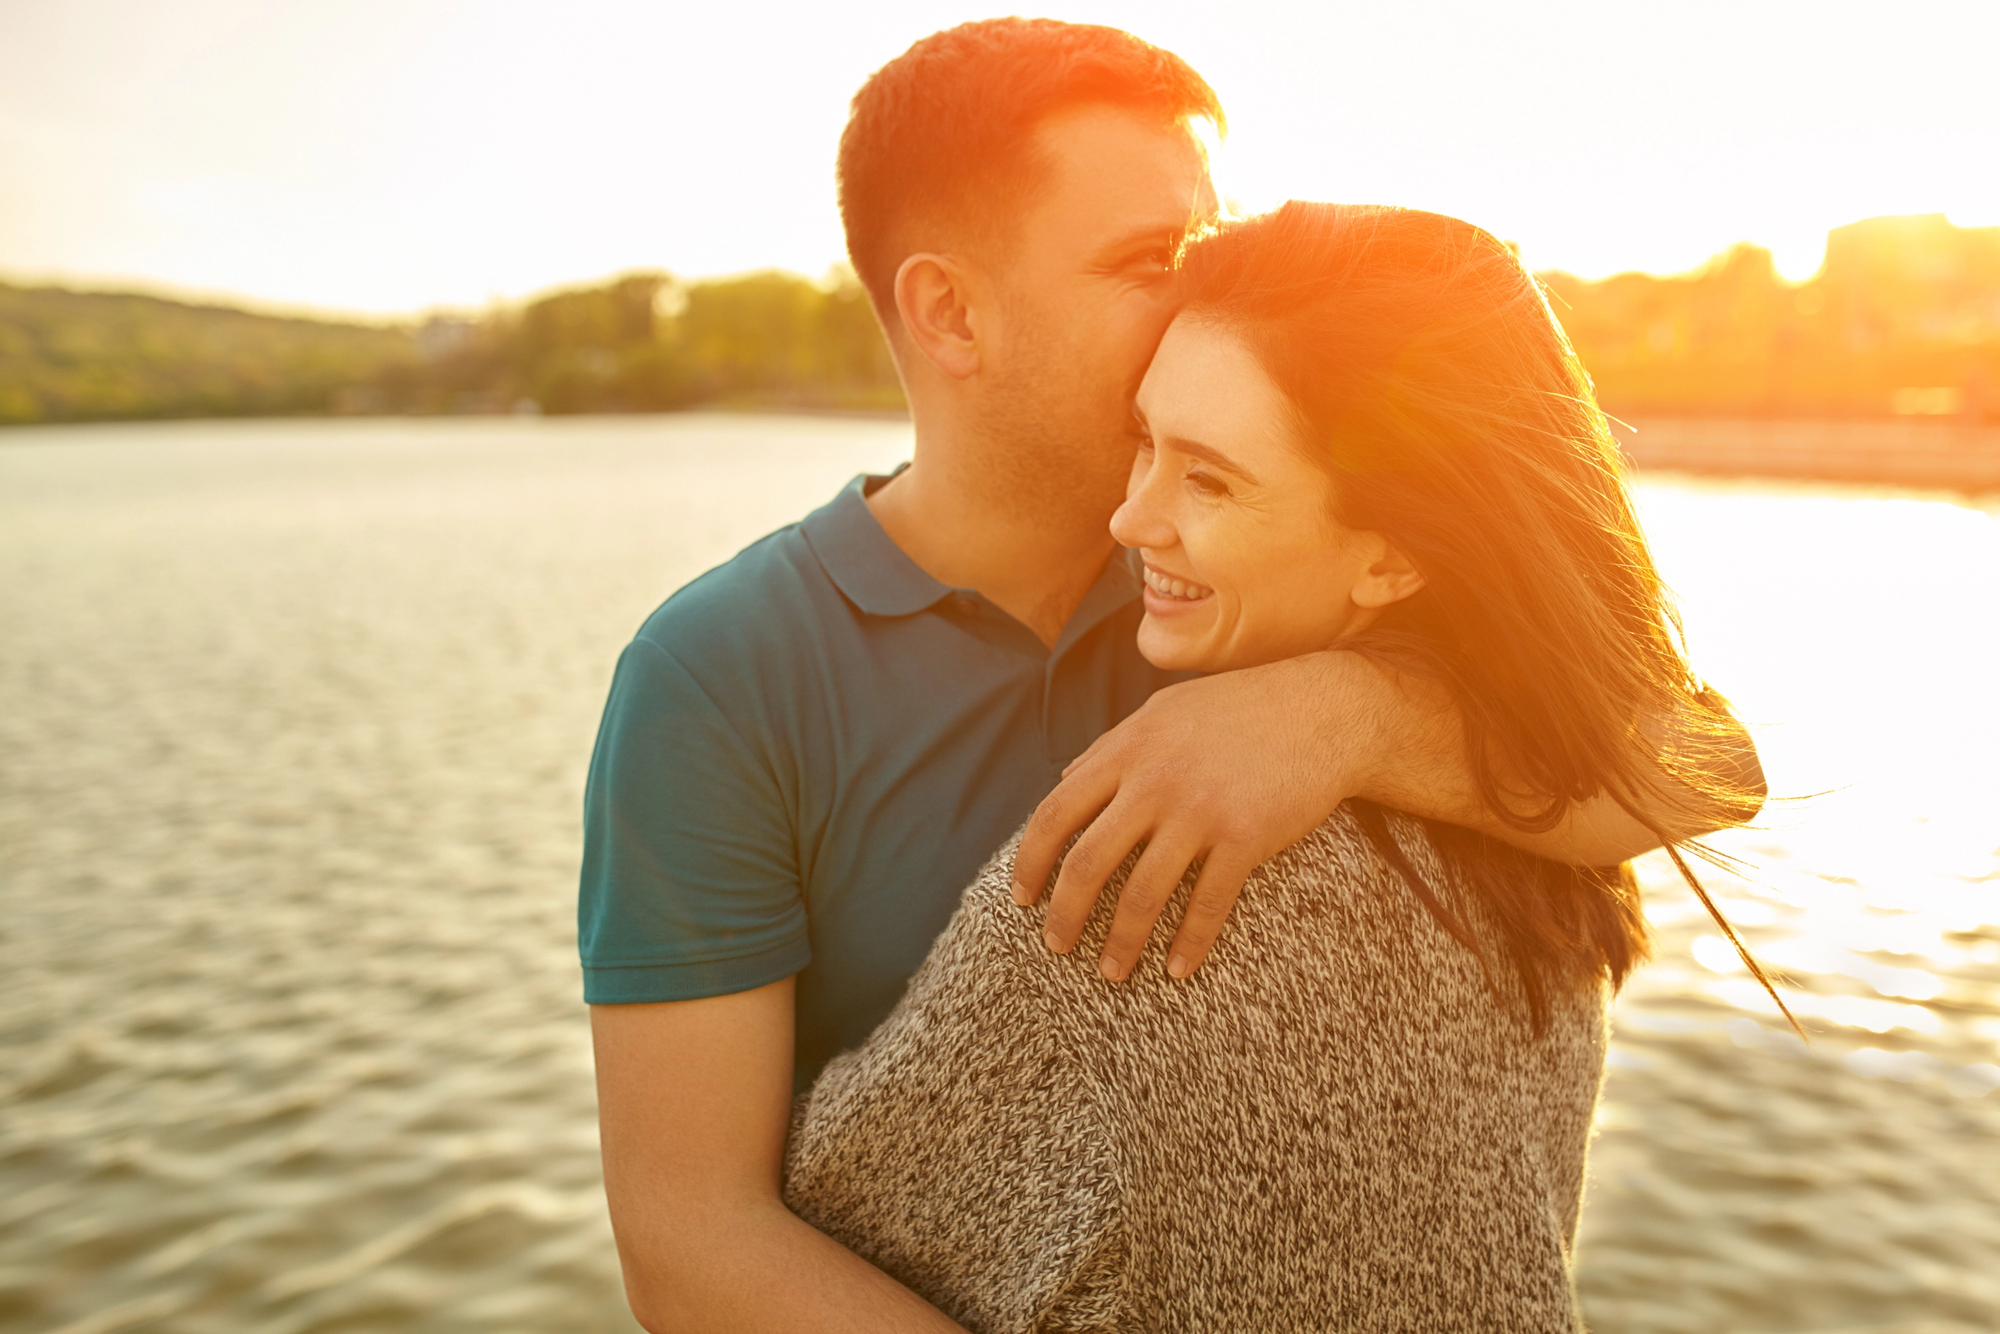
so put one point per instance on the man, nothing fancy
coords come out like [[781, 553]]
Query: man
[[809, 751]]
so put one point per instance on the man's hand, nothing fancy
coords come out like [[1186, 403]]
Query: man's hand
[[1231, 769], [1228, 770], [694, 1100]]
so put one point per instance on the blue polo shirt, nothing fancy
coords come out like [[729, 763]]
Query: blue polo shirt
[[809, 752]]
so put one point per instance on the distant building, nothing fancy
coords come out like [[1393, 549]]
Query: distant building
[[442, 335]]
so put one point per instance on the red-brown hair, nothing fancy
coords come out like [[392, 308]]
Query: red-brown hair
[[1432, 380], [938, 146]]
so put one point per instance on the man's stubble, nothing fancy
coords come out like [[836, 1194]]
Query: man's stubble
[[1056, 438]]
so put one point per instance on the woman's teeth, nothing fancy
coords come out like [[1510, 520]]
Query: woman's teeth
[[1183, 589]]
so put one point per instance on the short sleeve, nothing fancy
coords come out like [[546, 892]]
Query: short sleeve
[[690, 885]]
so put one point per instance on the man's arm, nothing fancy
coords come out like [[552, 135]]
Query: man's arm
[[1230, 769], [694, 1098]]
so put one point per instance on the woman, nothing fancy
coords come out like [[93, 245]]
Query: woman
[[1369, 1109]]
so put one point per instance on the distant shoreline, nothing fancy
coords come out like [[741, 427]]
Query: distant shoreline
[[1914, 452], [1926, 454]]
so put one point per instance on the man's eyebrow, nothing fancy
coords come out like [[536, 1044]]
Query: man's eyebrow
[[1170, 232]]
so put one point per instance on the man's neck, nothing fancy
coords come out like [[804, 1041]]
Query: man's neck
[[1026, 565]]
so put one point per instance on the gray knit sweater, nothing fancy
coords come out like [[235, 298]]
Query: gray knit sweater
[[1333, 1125]]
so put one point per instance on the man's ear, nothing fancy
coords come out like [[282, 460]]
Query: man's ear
[[1389, 577], [934, 304]]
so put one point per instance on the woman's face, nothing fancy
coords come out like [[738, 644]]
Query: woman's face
[[1245, 563]]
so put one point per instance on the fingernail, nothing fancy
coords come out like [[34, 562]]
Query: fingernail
[[1178, 966], [1053, 941], [1021, 895], [1109, 967]]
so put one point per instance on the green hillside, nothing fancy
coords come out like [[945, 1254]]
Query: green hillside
[[84, 356]]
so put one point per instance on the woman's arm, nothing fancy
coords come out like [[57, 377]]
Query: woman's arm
[[1231, 769], [959, 1148]]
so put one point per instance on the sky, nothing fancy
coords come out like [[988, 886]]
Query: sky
[[386, 158]]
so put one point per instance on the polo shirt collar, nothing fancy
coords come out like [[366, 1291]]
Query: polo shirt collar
[[875, 574], [1115, 588], [863, 561]]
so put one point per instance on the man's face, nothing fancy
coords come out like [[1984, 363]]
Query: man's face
[[1085, 296]]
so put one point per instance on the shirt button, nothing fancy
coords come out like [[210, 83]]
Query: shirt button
[[964, 605]]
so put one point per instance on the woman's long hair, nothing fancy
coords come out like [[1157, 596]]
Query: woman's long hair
[[1434, 383]]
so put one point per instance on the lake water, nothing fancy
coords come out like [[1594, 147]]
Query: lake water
[[295, 716]]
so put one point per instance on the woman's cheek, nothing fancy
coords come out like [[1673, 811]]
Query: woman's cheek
[[1215, 548]]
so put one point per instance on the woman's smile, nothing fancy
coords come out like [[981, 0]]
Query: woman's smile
[[1169, 595]]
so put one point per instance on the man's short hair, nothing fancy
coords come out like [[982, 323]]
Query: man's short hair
[[939, 140]]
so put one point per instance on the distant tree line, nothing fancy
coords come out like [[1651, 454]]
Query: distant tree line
[[644, 343], [1903, 318], [640, 343]]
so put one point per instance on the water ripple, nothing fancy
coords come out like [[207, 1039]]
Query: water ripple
[[296, 718]]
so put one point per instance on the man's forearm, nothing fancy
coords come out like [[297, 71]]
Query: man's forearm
[[1228, 769], [1420, 764], [760, 1267], [693, 1101]]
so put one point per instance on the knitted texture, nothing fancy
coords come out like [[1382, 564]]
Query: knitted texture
[[1339, 1123]]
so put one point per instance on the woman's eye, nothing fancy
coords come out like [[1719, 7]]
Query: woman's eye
[[1206, 484]]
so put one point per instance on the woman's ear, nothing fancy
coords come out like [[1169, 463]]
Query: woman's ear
[[1389, 576], [933, 302]]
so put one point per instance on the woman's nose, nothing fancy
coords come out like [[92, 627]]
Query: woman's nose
[[1142, 521]]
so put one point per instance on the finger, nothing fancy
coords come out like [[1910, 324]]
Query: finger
[[1105, 741], [1215, 892], [1073, 804], [1085, 868], [1153, 881]]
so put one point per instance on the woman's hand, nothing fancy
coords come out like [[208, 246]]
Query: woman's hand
[[1227, 770]]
